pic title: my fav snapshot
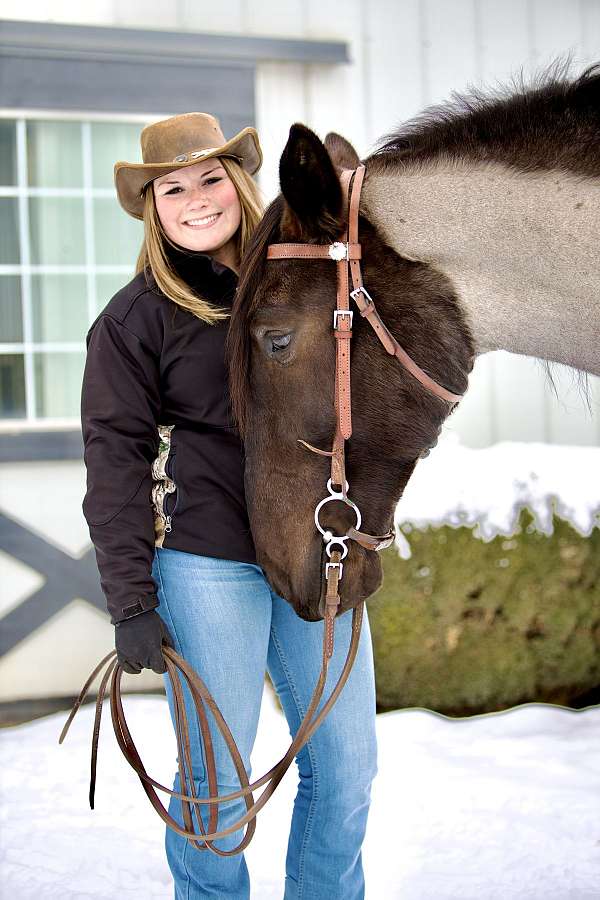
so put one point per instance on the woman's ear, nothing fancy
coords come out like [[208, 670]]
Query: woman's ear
[[311, 188]]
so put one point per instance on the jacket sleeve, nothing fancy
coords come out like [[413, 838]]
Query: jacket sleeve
[[120, 404]]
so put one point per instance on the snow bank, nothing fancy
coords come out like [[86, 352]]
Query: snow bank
[[487, 488]]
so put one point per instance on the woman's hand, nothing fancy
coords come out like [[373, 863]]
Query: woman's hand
[[138, 642]]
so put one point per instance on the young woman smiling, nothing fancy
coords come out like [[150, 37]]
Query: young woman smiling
[[166, 509]]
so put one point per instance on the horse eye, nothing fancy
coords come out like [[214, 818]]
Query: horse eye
[[280, 342]]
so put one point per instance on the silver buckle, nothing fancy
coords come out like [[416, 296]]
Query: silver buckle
[[342, 312], [330, 565], [370, 301]]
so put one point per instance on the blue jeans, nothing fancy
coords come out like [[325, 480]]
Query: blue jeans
[[231, 627]]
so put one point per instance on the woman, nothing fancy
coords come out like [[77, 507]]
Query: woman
[[166, 510]]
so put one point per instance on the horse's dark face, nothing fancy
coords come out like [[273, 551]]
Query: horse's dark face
[[282, 369]]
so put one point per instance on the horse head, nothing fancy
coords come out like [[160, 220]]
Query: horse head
[[282, 370]]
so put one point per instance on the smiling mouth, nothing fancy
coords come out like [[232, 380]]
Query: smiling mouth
[[204, 222]]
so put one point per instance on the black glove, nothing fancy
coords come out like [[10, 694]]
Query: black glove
[[138, 643]]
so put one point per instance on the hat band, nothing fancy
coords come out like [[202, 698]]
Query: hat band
[[195, 154]]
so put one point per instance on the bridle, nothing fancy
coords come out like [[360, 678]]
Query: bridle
[[347, 255]]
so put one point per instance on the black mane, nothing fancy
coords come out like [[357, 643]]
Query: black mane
[[553, 123]]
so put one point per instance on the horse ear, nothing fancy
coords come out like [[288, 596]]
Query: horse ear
[[341, 151], [310, 186]]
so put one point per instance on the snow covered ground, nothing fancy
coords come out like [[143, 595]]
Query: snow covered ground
[[497, 807]]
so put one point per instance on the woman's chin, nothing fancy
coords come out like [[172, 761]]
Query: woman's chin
[[203, 243]]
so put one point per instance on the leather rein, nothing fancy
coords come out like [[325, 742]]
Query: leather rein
[[347, 254]]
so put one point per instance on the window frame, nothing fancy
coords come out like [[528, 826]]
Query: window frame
[[25, 269]]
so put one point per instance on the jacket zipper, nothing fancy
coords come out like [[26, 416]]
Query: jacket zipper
[[169, 472], [169, 516]]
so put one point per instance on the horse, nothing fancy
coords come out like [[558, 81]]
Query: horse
[[478, 223]]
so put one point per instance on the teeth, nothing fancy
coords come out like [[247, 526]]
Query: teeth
[[204, 221]]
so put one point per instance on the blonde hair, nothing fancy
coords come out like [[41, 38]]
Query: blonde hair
[[153, 253]]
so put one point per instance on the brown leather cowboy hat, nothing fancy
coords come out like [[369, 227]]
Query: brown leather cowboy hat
[[176, 143]]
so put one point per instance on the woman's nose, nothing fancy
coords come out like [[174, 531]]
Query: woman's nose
[[199, 195]]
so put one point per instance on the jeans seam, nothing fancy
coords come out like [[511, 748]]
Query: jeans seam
[[185, 868], [315, 791], [186, 842], [164, 593]]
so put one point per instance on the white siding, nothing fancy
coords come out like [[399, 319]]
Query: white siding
[[557, 33], [394, 50]]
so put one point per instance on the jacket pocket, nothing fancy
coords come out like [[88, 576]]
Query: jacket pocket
[[109, 492]]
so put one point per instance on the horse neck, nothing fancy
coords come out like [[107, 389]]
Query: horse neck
[[521, 250]]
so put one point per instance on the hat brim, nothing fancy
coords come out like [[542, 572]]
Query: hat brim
[[131, 178]]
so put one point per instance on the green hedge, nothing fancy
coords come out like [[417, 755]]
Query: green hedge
[[467, 627]]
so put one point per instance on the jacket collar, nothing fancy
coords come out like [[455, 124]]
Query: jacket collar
[[204, 274]]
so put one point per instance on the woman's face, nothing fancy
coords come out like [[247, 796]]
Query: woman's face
[[199, 209]]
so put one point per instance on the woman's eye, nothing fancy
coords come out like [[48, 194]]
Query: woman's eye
[[213, 180], [280, 342], [173, 190]]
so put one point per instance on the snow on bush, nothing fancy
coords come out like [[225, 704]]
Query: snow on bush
[[487, 488]]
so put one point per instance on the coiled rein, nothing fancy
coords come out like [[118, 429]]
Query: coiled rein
[[176, 666]]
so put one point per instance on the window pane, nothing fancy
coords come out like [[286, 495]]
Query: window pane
[[107, 286], [9, 231], [8, 153], [57, 232], [118, 236], [59, 306], [11, 317], [12, 386], [54, 154], [58, 384], [113, 142]]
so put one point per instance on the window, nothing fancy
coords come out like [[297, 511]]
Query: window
[[65, 248]]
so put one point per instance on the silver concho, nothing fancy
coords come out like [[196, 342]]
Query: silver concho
[[194, 154], [338, 251]]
